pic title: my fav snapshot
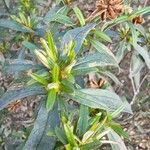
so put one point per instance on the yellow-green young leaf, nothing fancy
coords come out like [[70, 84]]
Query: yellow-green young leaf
[[51, 45], [39, 79], [70, 135], [53, 86], [55, 73], [42, 58], [46, 47], [79, 15], [71, 52], [103, 36], [51, 99], [23, 19]]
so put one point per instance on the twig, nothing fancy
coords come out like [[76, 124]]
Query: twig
[[136, 92], [145, 3], [6, 7]]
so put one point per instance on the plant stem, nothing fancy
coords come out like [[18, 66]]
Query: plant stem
[[6, 7], [136, 92]]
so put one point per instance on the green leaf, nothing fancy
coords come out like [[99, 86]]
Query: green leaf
[[101, 48], [92, 145], [58, 15], [51, 98], [83, 120], [61, 135], [98, 98], [67, 86], [70, 136], [83, 71], [79, 16], [114, 22], [30, 46], [55, 73], [39, 79], [119, 130], [111, 76], [134, 34], [139, 12], [17, 65], [113, 136], [51, 44], [13, 95], [118, 111], [95, 60], [14, 26], [45, 122], [144, 53], [121, 49], [102, 35], [78, 35]]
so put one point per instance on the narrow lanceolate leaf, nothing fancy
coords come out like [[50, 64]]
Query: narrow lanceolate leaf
[[61, 135], [103, 49], [83, 71], [92, 145], [51, 98], [13, 95], [45, 122], [102, 35], [83, 119], [95, 60], [30, 46], [79, 16], [140, 12], [14, 26], [42, 58], [55, 73], [114, 22], [48, 51], [70, 136], [51, 44], [113, 136], [98, 98], [39, 79], [17, 66], [144, 53], [134, 34], [78, 35]]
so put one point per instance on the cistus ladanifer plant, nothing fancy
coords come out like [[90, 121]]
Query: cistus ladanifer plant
[[56, 56]]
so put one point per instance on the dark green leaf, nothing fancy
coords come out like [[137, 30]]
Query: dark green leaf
[[93, 145], [78, 35], [83, 119], [103, 36], [17, 65], [44, 123], [95, 60], [13, 95], [79, 16], [61, 135], [14, 26], [30, 46], [113, 136], [51, 99], [101, 48], [83, 71], [140, 12], [98, 98], [144, 53]]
